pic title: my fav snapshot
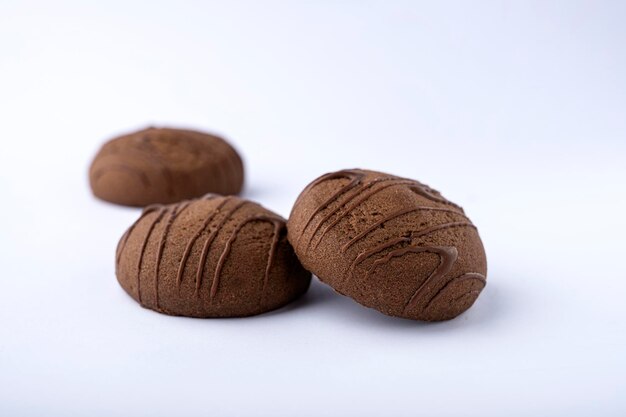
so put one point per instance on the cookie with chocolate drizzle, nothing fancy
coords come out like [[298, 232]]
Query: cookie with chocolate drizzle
[[210, 257], [390, 243]]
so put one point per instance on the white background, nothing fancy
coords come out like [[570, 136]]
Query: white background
[[517, 111]]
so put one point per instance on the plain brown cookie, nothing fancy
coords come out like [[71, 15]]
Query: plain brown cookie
[[210, 257], [164, 166], [390, 243]]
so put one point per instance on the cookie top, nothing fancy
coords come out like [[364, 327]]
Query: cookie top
[[164, 165], [210, 257], [390, 243]]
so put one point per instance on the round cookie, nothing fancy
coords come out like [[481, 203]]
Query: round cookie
[[163, 165], [389, 243], [210, 257]]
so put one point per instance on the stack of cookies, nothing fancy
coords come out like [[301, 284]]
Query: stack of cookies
[[197, 250]]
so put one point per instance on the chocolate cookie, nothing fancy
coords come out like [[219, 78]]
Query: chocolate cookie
[[390, 243], [210, 257], [164, 166]]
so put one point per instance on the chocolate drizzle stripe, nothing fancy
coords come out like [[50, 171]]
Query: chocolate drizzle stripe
[[209, 241], [467, 276], [392, 216], [174, 213], [158, 218], [273, 247], [124, 240], [120, 246], [447, 257], [277, 223], [472, 292], [427, 192], [149, 209], [355, 178], [366, 254], [183, 260], [438, 227], [415, 186], [346, 173], [357, 193]]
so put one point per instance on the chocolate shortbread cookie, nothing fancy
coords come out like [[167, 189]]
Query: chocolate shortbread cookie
[[390, 243], [164, 166], [210, 257]]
